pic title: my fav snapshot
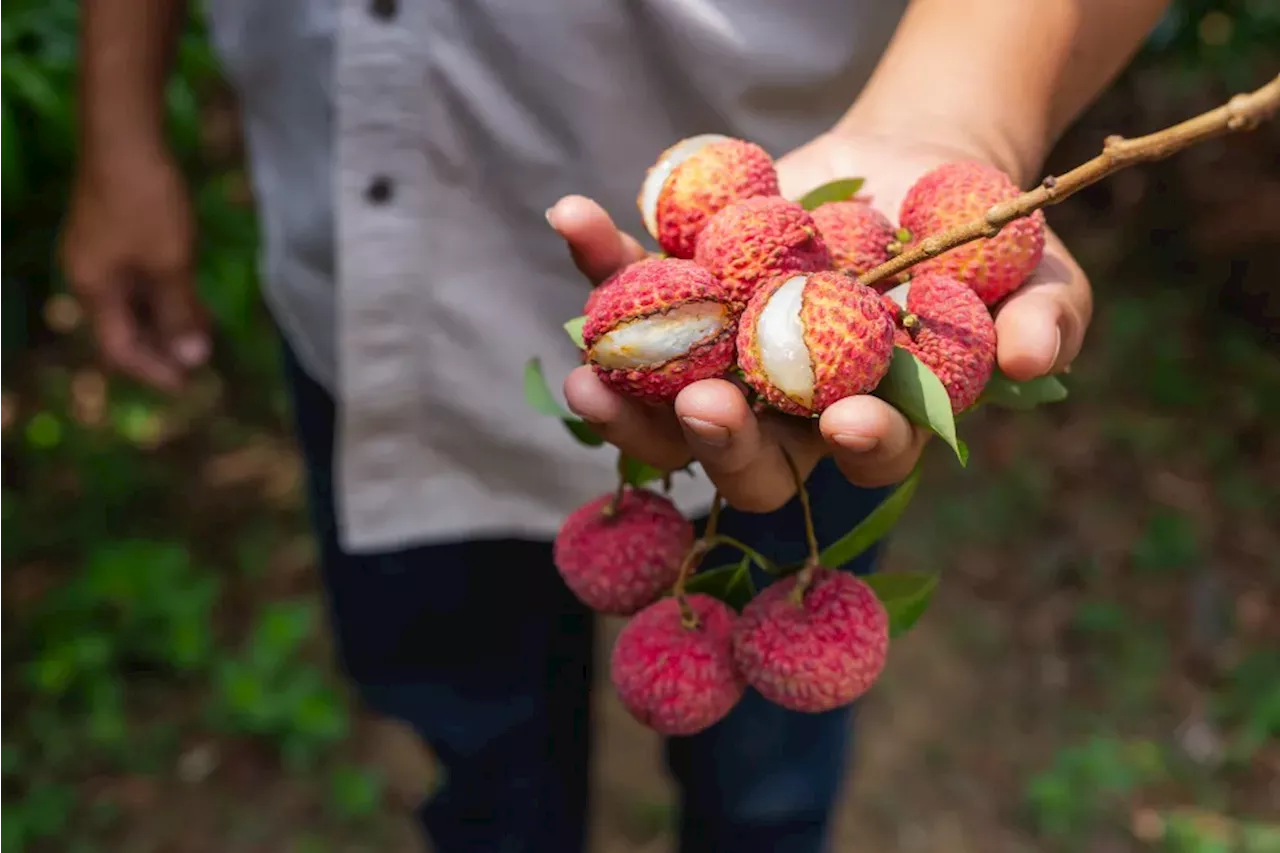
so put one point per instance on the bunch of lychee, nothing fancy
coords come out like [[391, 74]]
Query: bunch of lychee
[[752, 283], [811, 642]]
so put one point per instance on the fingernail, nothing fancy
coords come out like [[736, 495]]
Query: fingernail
[[712, 434], [1057, 347], [550, 220], [191, 350], [855, 442]]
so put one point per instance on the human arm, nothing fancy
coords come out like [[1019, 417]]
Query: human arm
[[994, 81], [127, 245]]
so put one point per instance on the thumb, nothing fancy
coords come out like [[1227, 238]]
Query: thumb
[[181, 322], [598, 248]]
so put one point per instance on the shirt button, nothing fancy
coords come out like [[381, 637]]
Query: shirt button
[[379, 190], [383, 9]]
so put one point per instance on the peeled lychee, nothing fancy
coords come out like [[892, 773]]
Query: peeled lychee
[[945, 325], [818, 653], [808, 340], [618, 562], [857, 235], [956, 193], [693, 180], [751, 241], [660, 325], [675, 678]]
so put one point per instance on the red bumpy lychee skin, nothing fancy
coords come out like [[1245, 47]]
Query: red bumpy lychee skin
[[751, 241], [696, 178], [817, 654], [675, 679], [857, 235], [618, 563], [956, 193], [658, 326], [946, 326], [808, 340]]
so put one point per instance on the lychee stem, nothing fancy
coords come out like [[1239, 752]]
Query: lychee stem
[[611, 509], [752, 554], [803, 579], [911, 323], [1243, 112], [809, 534]]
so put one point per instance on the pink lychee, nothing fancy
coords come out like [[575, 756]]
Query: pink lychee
[[945, 325], [751, 241], [617, 562], [857, 235], [693, 180], [673, 677], [818, 653], [808, 340], [658, 326], [956, 193]]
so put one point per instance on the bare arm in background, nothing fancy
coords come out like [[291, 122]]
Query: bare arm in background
[[128, 244]]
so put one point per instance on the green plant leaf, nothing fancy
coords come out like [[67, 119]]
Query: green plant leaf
[[637, 473], [905, 595], [574, 328], [914, 390], [841, 190], [740, 588], [538, 395], [731, 583], [1004, 392], [872, 528]]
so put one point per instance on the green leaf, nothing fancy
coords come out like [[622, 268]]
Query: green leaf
[[914, 390], [638, 474], [574, 328], [841, 190], [732, 584], [872, 528], [1004, 392], [905, 595], [538, 395]]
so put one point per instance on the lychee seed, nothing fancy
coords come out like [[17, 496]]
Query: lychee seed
[[675, 678], [658, 326], [806, 341], [817, 654], [617, 562]]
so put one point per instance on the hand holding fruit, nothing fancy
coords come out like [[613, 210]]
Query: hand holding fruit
[[747, 232]]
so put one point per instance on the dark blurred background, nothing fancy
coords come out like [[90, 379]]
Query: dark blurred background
[[1101, 671]]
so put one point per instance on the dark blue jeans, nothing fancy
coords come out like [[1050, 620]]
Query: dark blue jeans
[[480, 647]]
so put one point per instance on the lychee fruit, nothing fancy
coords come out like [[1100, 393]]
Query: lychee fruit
[[857, 235], [617, 559], [816, 651], [753, 240], [660, 325], [945, 325], [693, 180], [808, 340], [959, 192], [678, 678]]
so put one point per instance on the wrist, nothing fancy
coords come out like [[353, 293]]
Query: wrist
[[991, 137]]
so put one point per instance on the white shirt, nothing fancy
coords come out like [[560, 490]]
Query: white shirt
[[403, 153]]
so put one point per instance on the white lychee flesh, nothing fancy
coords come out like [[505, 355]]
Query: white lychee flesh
[[659, 338], [899, 294], [657, 176], [784, 355]]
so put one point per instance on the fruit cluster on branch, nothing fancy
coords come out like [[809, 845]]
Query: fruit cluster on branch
[[808, 302]]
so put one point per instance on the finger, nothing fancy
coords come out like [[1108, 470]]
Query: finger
[[598, 248], [121, 343], [1040, 328], [872, 442], [740, 453], [646, 433], [180, 319]]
